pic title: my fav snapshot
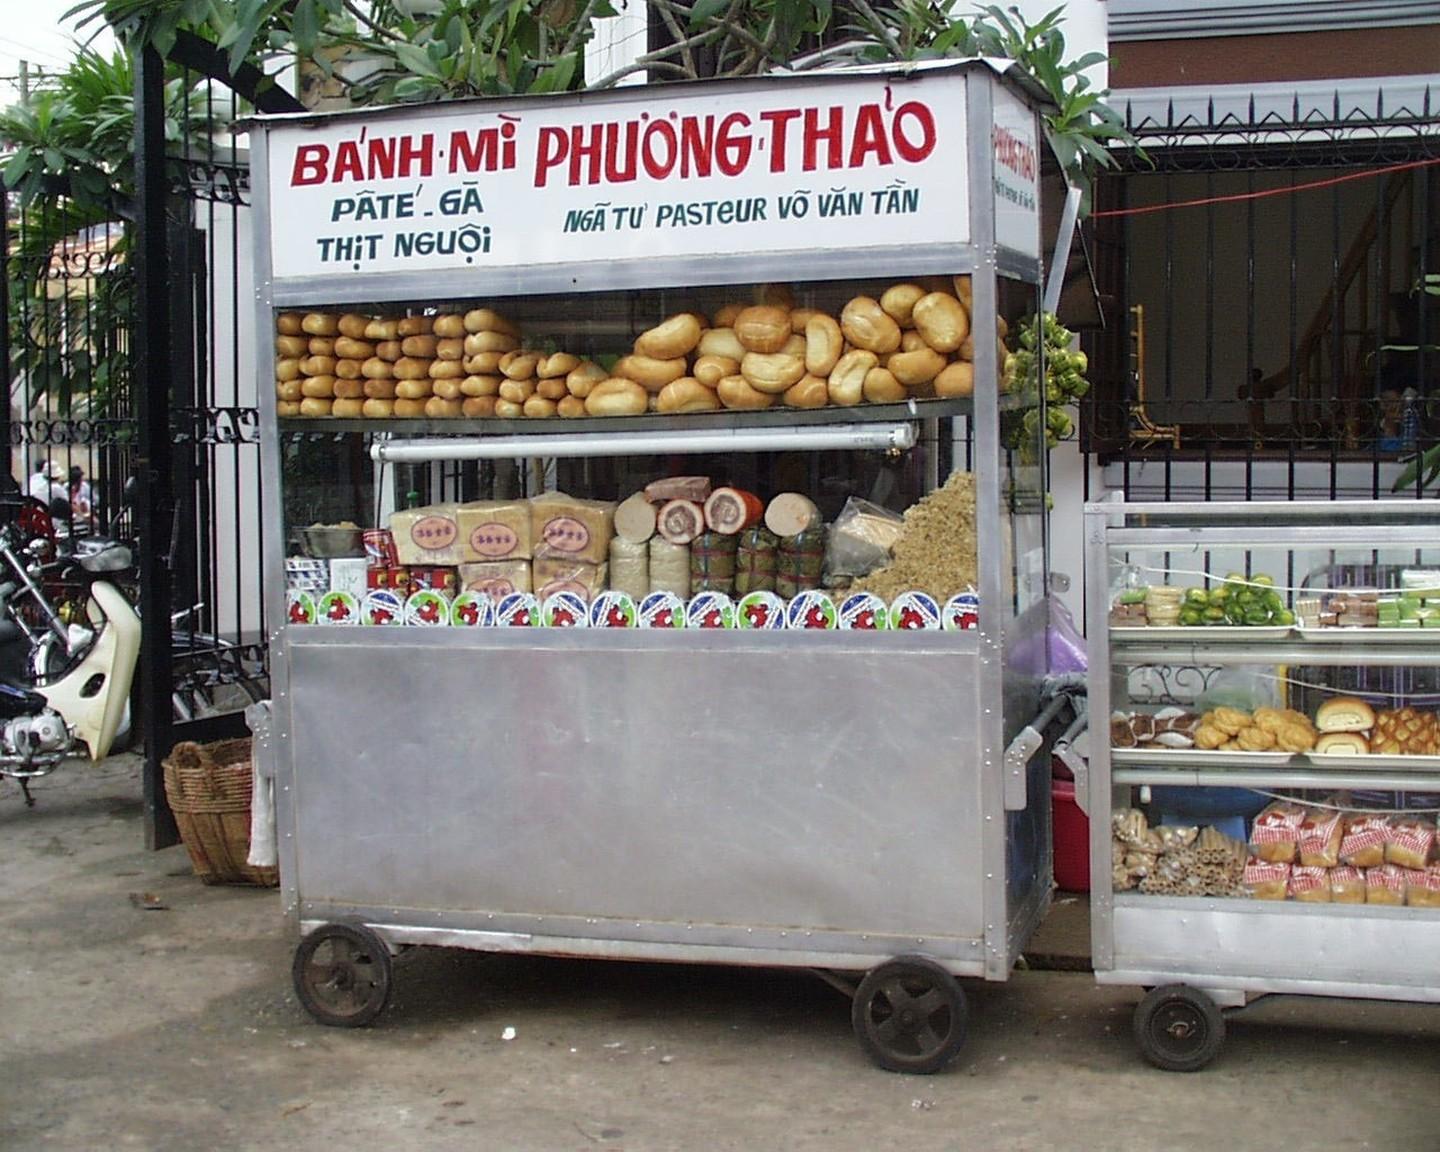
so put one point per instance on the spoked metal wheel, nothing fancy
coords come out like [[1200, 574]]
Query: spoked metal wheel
[[909, 1015], [342, 975], [1179, 1028]]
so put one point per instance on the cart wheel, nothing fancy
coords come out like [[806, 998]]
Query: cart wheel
[[1179, 1028], [909, 1015], [342, 975]]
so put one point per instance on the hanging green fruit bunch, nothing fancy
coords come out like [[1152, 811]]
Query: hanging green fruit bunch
[[1065, 381]]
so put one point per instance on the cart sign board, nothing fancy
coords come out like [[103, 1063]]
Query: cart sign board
[[1017, 175], [794, 165]]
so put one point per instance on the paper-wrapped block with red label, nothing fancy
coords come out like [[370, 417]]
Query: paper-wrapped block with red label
[[564, 528], [426, 537], [552, 576], [496, 579], [492, 530]]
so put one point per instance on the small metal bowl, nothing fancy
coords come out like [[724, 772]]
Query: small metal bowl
[[324, 542]]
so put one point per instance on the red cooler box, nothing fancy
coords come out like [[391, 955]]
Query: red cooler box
[[1070, 835]]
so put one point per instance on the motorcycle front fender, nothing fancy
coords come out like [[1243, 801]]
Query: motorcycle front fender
[[92, 698]]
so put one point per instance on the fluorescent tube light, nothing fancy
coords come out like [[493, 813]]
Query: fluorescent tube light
[[832, 437]]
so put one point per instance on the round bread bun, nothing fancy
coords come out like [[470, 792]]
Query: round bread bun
[[824, 344], [353, 325], [810, 392], [377, 369], [916, 367], [559, 365], [508, 409], [438, 408], [317, 366], [289, 391], [616, 396], [415, 326], [380, 389], [410, 409], [1342, 743], [289, 324], [483, 363], [581, 379], [446, 370], [447, 389], [320, 324], [551, 388], [287, 368], [450, 348], [686, 395], [321, 346], [349, 389], [725, 315], [478, 407], [449, 326], [389, 350], [721, 342], [539, 408], [772, 372], [287, 408], [737, 392], [517, 391], [413, 390], [569, 407], [347, 409], [350, 369], [292, 347], [481, 385], [762, 328], [957, 379], [519, 365], [488, 320], [381, 329], [422, 347], [674, 337], [488, 341], [898, 301], [881, 387], [378, 409], [866, 325], [321, 387], [1345, 714], [316, 406], [649, 372], [942, 320], [847, 381]]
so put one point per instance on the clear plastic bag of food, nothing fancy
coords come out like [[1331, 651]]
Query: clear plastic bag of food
[[861, 539]]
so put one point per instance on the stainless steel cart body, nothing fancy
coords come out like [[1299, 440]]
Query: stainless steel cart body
[[750, 798]]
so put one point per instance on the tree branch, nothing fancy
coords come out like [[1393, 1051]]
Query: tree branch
[[667, 13]]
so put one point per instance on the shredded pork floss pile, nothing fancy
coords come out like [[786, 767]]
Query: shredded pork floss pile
[[936, 549]]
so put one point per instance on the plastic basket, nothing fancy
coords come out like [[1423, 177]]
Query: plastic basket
[[208, 787]]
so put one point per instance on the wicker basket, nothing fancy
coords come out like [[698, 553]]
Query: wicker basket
[[208, 787]]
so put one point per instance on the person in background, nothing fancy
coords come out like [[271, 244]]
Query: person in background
[[81, 498], [47, 483]]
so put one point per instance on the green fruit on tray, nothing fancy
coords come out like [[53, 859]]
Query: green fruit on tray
[[1197, 596], [1214, 615], [1219, 594], [1191, 616], [1285, 617]]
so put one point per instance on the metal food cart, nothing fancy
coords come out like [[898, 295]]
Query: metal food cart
[[1199, 954], [839, 801]]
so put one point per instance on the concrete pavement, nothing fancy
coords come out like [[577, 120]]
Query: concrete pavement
[[140, 1009]]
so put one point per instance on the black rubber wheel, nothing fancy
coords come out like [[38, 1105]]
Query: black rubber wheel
[[342, 975], [1179, 1028], [910, 1015]]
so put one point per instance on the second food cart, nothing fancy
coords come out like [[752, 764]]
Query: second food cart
[[450, 289], [1263, 797]]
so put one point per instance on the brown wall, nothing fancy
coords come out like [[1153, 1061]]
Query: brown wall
[[1256, 59]]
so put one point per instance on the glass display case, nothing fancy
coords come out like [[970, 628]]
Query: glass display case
[[1265, 755]]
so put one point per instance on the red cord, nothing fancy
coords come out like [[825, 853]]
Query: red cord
[[1329, 182]]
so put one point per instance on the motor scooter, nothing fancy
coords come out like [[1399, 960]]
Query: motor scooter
[[64, 689]]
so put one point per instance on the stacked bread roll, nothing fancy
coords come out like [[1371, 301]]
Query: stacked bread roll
[[915, 340]]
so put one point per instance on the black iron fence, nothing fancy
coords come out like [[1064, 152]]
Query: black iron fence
[[1273, 279]]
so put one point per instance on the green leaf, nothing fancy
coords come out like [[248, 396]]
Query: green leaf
[[416, 60], [704, 10], [305, 26]]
